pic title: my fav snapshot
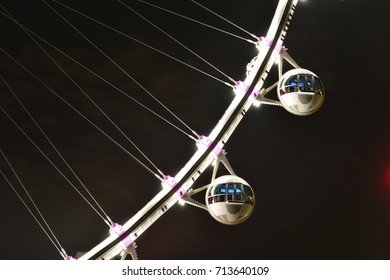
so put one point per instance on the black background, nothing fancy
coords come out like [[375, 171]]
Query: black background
[[322, 182]]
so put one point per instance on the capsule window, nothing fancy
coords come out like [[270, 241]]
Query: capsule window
[[291, 84], [310, 83], [221, 189], [231, 192], [302, 82]]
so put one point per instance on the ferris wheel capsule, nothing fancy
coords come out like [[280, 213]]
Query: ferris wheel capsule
[[230, 200], [301, 92]]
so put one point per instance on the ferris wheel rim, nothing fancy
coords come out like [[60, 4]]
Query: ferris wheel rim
[[176, 186]]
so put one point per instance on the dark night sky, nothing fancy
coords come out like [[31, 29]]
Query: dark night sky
[[322, 182]]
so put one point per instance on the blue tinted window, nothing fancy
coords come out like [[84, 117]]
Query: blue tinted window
[[230, 188], [221, 189]]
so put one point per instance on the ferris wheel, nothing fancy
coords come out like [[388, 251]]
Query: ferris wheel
[[229, 199]]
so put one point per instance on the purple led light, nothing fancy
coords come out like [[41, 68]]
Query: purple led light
[[69, 258], [241, 87], [217, 150], [207, 142], [117, 229], [127, 241], [265, 41], [171, 182]]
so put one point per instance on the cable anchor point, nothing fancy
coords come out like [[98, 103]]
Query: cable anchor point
[[264, 41]]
